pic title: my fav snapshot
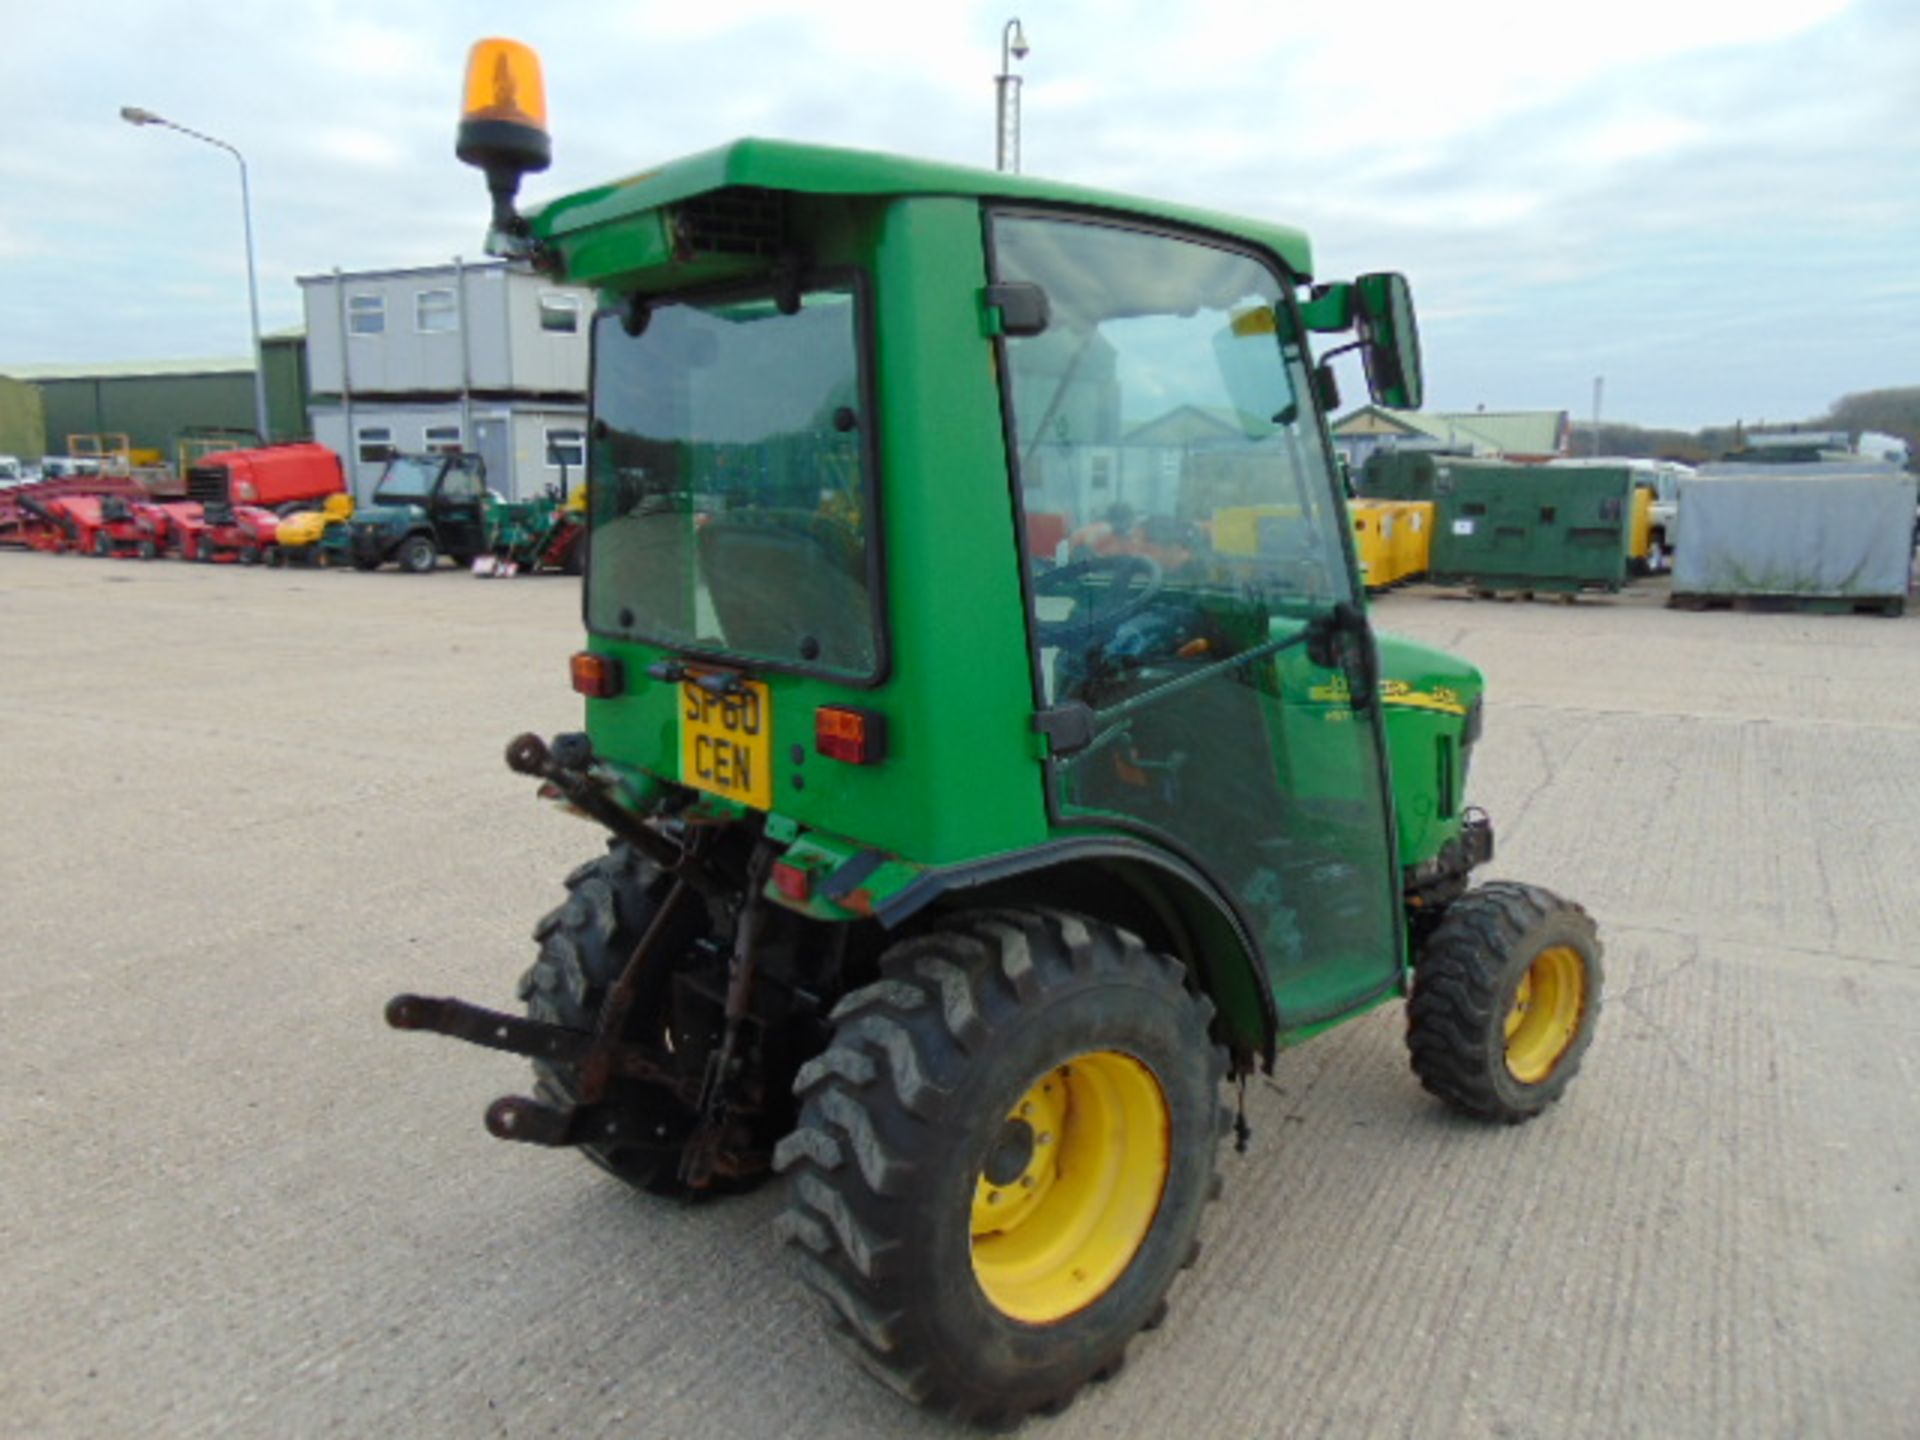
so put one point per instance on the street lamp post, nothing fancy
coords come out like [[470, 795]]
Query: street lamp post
[[134, 115], [1013, 46]]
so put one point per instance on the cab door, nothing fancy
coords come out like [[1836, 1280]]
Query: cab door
[[459, 507], [1198, 633]]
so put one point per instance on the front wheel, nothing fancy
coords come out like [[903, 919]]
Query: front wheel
[[1506, 992], [1002, 1159]]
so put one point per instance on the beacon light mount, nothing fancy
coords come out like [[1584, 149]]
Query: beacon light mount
[[503, 132]]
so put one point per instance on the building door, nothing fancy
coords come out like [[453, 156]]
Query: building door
[[493, 443]]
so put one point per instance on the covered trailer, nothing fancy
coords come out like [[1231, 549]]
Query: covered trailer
[[1828, 540]]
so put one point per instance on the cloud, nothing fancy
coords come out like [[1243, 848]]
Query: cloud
[[1659, 190]]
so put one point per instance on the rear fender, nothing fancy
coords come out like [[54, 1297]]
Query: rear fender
[[1171, 906]]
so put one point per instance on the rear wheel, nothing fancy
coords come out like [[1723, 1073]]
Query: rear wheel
[[1003, 1157], [584, 945], [416, 554], [1505, 996]]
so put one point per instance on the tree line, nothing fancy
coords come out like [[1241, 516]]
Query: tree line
[[1894, 412]]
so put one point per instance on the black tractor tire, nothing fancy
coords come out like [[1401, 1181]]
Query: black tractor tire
[[417, 554], [577, 556], [249, 554], [148, 550], [102, 544], [911, 1128], [367, 563], [1506, 993], [584, 944]]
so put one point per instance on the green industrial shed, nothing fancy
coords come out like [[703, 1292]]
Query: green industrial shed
[[155, 402], [23, 424]]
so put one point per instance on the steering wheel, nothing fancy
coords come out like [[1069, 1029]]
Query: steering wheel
[[1133, 581]]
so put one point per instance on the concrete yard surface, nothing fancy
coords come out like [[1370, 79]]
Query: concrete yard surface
[[245, 807]]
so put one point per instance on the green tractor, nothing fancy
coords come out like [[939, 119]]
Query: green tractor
[[976, 818]]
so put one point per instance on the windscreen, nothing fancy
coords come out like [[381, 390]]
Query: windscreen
[[408, 480], [727, 481], [1176, 489]]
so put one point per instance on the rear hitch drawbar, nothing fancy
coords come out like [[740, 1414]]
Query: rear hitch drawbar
[[516, 1117]]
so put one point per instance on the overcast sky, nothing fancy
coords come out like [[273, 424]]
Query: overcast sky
[[1714, 205]]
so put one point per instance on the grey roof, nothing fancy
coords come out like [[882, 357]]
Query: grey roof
[[128, 369], [401, 272], [1500, 432]]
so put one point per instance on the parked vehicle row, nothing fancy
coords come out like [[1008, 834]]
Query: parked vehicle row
[[288, 504]]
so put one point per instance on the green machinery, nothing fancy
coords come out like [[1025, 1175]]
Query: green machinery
[[975, 816], [545, 533], [1501, 526]]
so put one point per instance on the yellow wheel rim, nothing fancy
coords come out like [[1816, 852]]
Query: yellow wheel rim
[[1070, 1187], [1546, 1013]]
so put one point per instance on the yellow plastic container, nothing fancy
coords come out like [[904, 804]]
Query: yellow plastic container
[[1641, 531], [1412, 538], [1236, 529], [1373, 529]]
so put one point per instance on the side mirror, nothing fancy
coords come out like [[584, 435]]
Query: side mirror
[[1389, 340]]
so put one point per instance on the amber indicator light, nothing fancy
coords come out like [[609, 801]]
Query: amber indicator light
[[842, 732], [596, 676]]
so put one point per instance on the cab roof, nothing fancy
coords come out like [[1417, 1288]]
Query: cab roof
[[781, 165]]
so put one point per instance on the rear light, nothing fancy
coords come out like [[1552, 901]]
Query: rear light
[[792, 881], [596, 676], [859, 737]]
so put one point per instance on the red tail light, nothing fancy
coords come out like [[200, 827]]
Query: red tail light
[[792, 881], [596, 676], [858, 737]]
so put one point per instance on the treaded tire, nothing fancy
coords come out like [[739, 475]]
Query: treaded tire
[[1465, 982], [584, 943], [902, 1111], [417, 555]]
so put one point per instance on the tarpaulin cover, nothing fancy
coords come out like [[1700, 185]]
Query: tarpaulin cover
[[1847, 536]]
